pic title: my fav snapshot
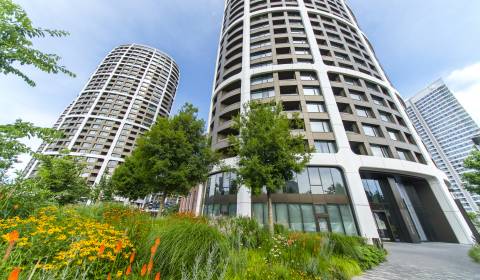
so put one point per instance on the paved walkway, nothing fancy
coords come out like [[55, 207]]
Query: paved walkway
[[426, 261]]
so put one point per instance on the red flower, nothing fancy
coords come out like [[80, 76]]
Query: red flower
[[157, 276], [129, 270]]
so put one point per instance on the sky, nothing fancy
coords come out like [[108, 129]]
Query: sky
[[417, 42]]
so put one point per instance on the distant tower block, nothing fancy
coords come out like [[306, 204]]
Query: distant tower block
[[132, 87]]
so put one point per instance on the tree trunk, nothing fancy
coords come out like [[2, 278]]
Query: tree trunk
[[162, 204], [270, 213]]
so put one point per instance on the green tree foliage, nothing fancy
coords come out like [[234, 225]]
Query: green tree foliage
[[62, 176], [269, 153], [473, 178], [104, 190], [16, 32], [11, 145], [171, 158]]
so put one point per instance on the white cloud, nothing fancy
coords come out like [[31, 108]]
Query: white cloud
[[465, 83]]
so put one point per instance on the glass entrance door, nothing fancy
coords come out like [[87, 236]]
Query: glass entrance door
[[322, 224], [383, 225]]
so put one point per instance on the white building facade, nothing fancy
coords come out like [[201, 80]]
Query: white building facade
[[370, 175], [130, 89]]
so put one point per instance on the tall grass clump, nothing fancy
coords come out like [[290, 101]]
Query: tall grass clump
[[187, 245]]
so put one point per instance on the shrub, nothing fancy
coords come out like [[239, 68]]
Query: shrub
[[23, 198], [371, 256], [474, 253]]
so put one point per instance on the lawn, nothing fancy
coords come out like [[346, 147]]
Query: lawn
[[110, 241]]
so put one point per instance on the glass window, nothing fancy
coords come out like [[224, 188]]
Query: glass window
[[295, 217], [327, 181], [262, 79], [257, 209], [385, 117], [232, 210], [338, 181], [219, 183], [320, 126], [348, 221], [311, 91], [356, 96], [216, 210], [308, 218], [281, 214], [315, 107], [377, 101], [363, 112], [292, 185], [315, 180], [323, 225], [326, 147], [308, 76], [380, 151], [403, 155], [320, 209], [303, 183], [371, 130], [262, 93], [393, 135], [335, 219]]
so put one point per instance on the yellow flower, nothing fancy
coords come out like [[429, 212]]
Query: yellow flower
[[62, 237], [119, 273]]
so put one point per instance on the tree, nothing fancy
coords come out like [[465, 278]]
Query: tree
[[11, 145], [269, 154], [473, 177], [62, 176], [104, 190], [16, 32], [171, 158]]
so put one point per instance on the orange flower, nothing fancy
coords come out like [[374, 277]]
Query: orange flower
[[109, 276], [14, 274], [118, 248], [129, 270], [144, 270], [150, 266], [132, 257], [101, 250], [154, 248], [13, 236], [157, 276]]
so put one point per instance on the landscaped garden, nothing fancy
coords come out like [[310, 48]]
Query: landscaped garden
[[110, 241]]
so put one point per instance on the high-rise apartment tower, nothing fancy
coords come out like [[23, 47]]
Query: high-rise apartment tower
[[370, 174], [132, 86], [448, 132]]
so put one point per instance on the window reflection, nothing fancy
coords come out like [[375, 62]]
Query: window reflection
[[221, 184], [373, 190], [309, 217], [317, 180]]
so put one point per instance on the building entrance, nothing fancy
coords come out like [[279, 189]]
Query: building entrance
[[405, 209]]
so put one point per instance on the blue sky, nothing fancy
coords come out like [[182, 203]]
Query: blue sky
[[416, 42]]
